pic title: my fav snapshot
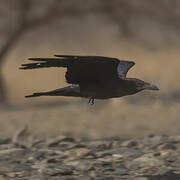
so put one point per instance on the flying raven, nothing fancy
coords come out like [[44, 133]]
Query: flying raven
[[93, 77]]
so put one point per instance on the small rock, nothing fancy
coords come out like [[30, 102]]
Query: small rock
[[78, 153], [82, 165], [55, 159], [11, 151], [121, 171], [174, 139], [165, 154], [154, 141], [166, 176], [117, 156], [48, 152], [55, 141], [57, 170], [4, 140], [92, 174], [167, 146], [22, 167], [104, 146], [141, 178], [100, 145], [157, 154], [101, 154], [39, 155], [66, 145], [150, 135], [146, 160], [129, 143], [105, 161], [83, 152]]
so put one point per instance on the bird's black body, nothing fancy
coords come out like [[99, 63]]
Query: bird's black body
[[94, 77]]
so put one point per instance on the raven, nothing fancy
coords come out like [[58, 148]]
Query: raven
[[93, 77]]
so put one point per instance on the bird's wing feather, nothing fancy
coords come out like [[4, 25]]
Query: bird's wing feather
[[46, 62], [90, 69], [82, 69], [72, 90], [123, 67], [97, 68]]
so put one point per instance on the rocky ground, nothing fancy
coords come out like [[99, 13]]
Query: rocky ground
[[149, 158]]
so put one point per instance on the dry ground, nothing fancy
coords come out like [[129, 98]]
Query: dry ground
[[79, 119]]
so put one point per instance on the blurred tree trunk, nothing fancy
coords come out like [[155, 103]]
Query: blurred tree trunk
[[9, 44], [3, 96]]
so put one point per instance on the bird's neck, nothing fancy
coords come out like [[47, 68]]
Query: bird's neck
[[130, 86]]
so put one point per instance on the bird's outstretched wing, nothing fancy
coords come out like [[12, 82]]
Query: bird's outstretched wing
[[82, 69], [72, 90]]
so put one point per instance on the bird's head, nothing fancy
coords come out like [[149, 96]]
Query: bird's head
[[141, 85], [134, 85]]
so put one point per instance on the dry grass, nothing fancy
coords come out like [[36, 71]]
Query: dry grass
[[117, 118]]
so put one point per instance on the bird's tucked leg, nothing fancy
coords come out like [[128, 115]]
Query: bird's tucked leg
[[91, 101]]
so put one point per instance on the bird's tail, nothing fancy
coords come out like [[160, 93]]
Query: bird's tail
[[73, 90]]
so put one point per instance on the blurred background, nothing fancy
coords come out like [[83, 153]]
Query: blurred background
[[147, 32]]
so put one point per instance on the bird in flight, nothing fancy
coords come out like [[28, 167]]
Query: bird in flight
[[93, 77]]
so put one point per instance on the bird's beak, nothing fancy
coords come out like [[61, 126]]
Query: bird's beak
[[151, 87]]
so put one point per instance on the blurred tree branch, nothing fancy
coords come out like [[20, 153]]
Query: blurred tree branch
[[123, 13], [25, 23]]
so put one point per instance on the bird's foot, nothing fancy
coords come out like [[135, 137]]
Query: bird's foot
[[91, 101]]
